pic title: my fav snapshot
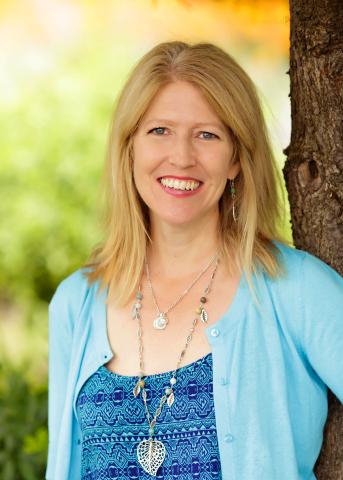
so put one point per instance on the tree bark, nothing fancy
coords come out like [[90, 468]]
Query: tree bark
[[314, 168]]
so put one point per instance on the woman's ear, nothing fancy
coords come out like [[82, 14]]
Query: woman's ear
[[234, 170], [235, 164]]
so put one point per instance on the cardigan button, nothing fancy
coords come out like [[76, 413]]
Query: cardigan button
[[215, 332], [223, 381], [79, 442], [228, 438]]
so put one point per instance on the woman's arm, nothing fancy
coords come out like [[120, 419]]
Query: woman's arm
[[322, 332], [60, 341]]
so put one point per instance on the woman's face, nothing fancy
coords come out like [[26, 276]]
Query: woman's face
[[182, 156]]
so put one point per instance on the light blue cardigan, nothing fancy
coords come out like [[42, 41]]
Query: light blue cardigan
[[270, 369]]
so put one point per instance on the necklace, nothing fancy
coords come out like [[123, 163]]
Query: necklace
[[161, 321], [151, 453]]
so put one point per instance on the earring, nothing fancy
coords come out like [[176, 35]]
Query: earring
[[233, 196]]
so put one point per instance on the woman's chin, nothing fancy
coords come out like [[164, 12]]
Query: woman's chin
[[177, 219]]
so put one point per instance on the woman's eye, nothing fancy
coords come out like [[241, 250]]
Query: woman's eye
[[209, 135], [161, 131], [157, 130]]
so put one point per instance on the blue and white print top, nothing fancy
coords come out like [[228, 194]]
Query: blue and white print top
[[113, 422]]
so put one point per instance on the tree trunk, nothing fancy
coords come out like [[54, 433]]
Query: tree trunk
[[314, 167]]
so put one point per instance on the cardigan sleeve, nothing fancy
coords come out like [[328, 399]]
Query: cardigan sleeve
[[64, 309], [60, 341], [322, 310]]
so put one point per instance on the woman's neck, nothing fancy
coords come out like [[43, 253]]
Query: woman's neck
[[177, 251]]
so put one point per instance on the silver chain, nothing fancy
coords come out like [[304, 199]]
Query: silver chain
[[183, 294], [164, 398]]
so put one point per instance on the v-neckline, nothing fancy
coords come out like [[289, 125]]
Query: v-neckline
[[228, 320]]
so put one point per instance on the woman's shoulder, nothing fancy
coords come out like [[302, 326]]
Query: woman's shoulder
[[309, 275], [290, 256], [304, 263], [72, 291]]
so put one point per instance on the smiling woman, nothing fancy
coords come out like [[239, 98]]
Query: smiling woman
[[182, 156], [189, 344]]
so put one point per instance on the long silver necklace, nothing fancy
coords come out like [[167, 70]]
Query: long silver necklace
[[161, 321], [150, 452]]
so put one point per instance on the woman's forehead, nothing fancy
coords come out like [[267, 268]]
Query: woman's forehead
[[181, 102]]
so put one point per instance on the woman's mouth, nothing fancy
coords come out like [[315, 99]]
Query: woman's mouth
[[180, 187]]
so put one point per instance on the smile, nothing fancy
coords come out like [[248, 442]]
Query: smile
[[179, 184], [180, 187]]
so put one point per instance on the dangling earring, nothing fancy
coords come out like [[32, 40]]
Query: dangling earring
[[233, 196]]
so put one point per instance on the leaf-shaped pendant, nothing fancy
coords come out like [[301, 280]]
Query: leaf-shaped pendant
[[135, 313], [203, 316], [137, 389], [151, 454], [170, 399], [144, 394]]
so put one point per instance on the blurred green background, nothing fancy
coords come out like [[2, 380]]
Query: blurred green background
[[62, 64]]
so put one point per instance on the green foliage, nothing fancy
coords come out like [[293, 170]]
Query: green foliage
[[54, 136], [54, 133], [23, 427]]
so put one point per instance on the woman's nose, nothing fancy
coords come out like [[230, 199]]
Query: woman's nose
[[182, 154]]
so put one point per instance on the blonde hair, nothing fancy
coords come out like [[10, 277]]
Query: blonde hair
[[118, 261]]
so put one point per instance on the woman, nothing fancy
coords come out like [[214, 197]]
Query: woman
[[195, 343]]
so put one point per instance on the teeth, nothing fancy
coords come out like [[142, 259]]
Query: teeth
[[180, 184]]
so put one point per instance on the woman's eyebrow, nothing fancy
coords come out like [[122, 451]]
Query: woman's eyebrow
[[197, 124]]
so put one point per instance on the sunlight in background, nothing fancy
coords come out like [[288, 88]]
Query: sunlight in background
[[61, 66], [39, 36]]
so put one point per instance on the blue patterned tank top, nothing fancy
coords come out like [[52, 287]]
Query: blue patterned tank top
[[113, 422]]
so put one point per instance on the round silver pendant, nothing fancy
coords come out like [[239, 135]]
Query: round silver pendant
[[160, 322]]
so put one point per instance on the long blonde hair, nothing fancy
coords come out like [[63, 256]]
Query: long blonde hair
[[118, 261]]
